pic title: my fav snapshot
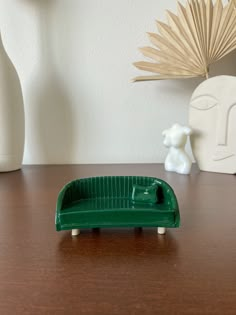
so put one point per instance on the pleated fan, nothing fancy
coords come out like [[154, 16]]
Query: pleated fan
[[203, 32]]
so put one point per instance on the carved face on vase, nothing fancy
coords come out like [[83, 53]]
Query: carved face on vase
[[212, 117]]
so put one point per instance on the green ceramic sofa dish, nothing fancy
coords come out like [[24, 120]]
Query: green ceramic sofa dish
[[117, 201]]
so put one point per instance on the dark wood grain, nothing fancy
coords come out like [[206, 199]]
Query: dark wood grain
[[191, 270]]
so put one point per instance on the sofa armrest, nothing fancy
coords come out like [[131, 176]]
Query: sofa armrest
[[169, 194], [61, 199], [173, 199]]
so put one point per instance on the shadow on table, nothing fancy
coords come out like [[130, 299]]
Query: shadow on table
[[129, 243]]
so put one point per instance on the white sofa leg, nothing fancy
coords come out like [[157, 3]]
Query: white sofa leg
[[75, 232], [161, 230]]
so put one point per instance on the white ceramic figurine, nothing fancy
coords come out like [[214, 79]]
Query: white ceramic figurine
[[177, 159]]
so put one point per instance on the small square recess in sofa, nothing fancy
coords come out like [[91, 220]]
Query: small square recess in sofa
[[145, 194]]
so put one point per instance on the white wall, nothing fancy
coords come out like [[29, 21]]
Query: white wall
[[74, 59]]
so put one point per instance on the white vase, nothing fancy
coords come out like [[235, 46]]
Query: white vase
[[212, 117], [12, 124]]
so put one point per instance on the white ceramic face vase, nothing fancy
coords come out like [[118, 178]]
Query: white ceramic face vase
[[213, 120]]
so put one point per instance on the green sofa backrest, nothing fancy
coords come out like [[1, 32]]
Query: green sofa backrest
[[106, 186]]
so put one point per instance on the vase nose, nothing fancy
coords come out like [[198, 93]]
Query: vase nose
[[222, 125]]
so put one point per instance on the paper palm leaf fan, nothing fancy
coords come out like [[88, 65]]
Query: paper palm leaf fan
[[200, 34]]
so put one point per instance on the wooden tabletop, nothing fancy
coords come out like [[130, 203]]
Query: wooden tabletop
[[190, 270]]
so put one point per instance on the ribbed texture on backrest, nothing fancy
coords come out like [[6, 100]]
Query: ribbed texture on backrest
[[102, 187]]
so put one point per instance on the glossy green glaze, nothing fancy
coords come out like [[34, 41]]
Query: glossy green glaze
[[109, 202], [145, 194]]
